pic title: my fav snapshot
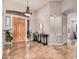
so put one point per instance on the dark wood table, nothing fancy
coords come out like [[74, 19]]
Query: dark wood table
[[41, 38]]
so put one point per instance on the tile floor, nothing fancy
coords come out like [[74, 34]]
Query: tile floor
[[34, 50]]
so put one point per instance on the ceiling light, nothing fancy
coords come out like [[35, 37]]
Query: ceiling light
[[27, 13]]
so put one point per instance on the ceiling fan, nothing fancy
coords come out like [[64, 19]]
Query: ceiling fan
[[27, 12]]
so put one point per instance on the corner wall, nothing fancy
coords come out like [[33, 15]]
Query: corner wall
[[51, 17], [69, 5]]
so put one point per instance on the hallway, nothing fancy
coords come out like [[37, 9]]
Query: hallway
[[34, 50]]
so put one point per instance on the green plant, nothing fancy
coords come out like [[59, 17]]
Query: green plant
[[8, 36], [29, 33]]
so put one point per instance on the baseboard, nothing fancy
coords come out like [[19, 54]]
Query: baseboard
[[55, 43]]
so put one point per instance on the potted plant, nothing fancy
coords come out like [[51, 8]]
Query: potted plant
[[29, 33], [8, 37], [29, 36]]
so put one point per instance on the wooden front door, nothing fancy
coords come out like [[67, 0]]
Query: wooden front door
[[18, 29]]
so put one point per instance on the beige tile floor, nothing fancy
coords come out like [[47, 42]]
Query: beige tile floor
[[35, 50]]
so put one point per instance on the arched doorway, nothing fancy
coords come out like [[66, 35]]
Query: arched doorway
[[70, 24]]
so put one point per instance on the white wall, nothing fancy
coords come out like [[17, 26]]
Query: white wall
[[11, 5], [69, 4], [56, 23], [33, 22], [55, 8], [53, 27], [56, 14], [64, 28], [43, 18]]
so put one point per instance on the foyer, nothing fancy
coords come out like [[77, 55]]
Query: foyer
[[49, 31]]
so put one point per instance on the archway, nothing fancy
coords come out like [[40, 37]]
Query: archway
[[69, 25]]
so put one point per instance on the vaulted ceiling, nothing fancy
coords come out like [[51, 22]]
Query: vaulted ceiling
[[20, 5]]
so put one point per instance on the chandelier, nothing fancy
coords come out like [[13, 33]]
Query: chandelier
[[27, 12]]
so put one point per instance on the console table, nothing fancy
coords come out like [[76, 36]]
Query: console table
[[41, 38]]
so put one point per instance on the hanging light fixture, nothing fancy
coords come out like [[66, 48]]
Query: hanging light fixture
[[27, 13]]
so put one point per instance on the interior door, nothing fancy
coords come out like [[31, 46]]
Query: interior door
[[18, 29]]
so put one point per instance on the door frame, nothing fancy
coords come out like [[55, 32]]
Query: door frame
[[25, 23]]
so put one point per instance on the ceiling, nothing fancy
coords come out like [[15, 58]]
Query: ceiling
[[20, 5]]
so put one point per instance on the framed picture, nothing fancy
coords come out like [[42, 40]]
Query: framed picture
[[7, 21]]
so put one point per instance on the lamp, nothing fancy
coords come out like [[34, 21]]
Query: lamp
[[27, 13]]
